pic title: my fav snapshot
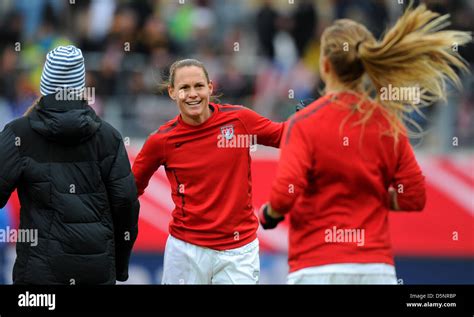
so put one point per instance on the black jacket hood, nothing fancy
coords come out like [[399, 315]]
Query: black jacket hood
[[66, 122]]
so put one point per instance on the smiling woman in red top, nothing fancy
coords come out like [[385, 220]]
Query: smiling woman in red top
[[205, 152], [346, 160]]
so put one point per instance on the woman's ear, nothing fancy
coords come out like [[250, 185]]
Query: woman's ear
[[324, 68], [211, 87], [326, 65], [171, 92]]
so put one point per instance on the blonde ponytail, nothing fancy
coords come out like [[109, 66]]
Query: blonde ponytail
[[416, 55], [30, 108]]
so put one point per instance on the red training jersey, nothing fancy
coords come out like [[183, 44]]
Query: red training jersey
[[208, 167], [334, 177]]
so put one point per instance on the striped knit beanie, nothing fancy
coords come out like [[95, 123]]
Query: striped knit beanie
[[64, 68]]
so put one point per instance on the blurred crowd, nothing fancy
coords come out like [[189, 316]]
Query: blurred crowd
[[262, 54]]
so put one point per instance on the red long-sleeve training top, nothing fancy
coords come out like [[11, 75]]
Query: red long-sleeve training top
[[334, 179], [208, 167]]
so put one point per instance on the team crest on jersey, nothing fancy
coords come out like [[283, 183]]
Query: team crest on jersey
[[228, 132]]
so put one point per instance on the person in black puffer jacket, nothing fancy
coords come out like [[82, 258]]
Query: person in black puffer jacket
[[74, 182]]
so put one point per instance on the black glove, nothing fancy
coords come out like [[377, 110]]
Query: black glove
[[303, 104], [266, 221]]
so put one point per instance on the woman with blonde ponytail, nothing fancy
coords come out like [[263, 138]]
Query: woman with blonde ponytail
[[346, 160]]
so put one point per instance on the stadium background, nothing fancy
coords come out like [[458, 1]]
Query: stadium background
[[262, 54]]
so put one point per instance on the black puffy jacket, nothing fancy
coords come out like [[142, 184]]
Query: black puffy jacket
[[76, 191]]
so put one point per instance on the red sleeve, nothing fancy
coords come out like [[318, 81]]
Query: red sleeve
[[295, 162], [268, 132], [409, 181], [148, 161]]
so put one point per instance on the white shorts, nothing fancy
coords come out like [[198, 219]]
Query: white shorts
[[186, 263], [345, 273]]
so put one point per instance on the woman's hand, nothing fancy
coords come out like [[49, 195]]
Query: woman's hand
[[393, 199], [268, 217]]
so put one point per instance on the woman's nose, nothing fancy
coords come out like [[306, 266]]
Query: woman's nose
[[192, 93]]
